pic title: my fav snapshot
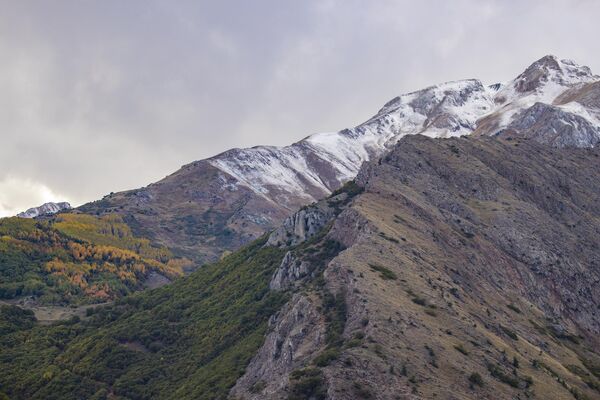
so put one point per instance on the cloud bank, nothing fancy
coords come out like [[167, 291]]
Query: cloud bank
[[110, 95]]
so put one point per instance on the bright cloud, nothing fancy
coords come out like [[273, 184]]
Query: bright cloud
[[17, 195]]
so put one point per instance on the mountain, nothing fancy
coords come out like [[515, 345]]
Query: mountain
[[45, 209], [216, 205], [465, 268], [469, 269]]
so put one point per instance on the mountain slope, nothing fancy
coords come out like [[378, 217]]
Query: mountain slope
[[221, 203], [464, 268], [471, 269]]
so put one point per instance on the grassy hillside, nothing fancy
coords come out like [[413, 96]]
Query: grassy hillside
[[188, 340], [77, 258]]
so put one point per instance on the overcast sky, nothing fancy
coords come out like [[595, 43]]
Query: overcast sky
[[102, 96]]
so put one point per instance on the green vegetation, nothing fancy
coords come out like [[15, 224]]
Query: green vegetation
[[430, 312], [191, 339], [13, 318], [509, 332], [432, 356], [384, 273], [420, 301], [327, 356], [77, 259], [361, 391], [389, 238], [350, 188], [108, 230], [461, 349], [513, 380], [258, 387], [307, 383], [475, 379], [335, 315], [514, 308]]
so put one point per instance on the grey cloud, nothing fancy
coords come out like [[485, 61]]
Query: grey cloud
[[108, 95]]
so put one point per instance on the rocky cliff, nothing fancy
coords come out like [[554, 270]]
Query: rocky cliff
[[468, 268]]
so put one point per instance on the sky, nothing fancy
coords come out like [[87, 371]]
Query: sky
[[108, 95]]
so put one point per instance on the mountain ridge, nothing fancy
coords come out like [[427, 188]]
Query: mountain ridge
[[232, 198]]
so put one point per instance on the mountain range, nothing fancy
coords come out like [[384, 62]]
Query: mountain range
[[448, 247], [465, 268], [218, 204]]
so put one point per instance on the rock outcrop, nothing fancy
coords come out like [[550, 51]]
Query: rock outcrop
[[304, 224], [297, 334]]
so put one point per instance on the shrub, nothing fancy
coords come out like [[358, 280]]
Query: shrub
[[307, 383], [361, 391], [431, 312], [420, 301], [475, 379], [384, 273], [509, 332], [258, 387], [514, 308], [326, 357], [389, 238], [460, 348]]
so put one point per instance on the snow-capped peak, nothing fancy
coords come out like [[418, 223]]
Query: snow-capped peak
[[312, 167], [45, 209]]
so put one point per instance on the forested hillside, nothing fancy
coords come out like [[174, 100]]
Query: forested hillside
[[77, 259]]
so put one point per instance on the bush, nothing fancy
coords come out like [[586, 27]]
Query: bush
[[258, 387], [384, 273], [475, 379], [307, 383], [514, 308], [461, 349], [420, 301], [361, 391], [326, 357], [509, 332]]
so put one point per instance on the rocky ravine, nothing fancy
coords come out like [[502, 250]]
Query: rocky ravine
[[467, 269], [218, 204]]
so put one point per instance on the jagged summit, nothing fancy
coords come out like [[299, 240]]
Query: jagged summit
[[545, 79], [550, 69]]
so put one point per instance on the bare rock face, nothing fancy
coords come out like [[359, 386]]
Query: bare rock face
[[303, 224], [297, 333], [537, 74], [290, 271], [551, 125], [586, 94]]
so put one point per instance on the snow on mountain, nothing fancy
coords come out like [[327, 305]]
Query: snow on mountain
[[318, 164], [218, 204], [44, 209]]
